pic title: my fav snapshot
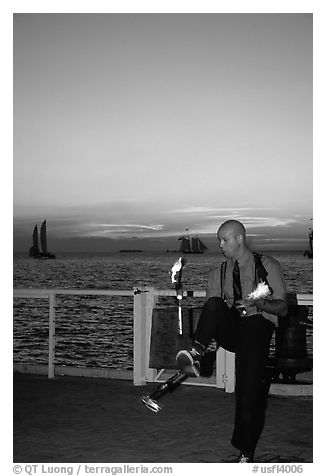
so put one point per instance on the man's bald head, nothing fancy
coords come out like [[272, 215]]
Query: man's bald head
[[232, 238], [234, 226]]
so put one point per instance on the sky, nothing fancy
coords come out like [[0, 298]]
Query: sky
[[131, 128]]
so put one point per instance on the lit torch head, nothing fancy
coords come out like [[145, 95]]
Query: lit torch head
[[176, 268]]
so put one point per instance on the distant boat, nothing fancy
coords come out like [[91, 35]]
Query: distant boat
[[192, 245], [131, 251], [34, 251], [309, 252]]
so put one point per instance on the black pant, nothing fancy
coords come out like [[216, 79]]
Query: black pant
[[249, 337]]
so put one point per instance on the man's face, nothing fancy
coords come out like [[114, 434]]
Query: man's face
[[228, 242]]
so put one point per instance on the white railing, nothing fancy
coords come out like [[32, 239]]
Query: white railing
[[51, 294], [144, 301]]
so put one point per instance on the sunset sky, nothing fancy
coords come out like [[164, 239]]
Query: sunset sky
[[130, 128]]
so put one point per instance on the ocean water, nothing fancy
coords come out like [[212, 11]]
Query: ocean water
[[97, 331]]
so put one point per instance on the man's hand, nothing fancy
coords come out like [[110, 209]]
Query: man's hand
[[278, 307], [258, 303]]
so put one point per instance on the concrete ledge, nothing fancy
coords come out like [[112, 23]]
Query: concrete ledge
[[61, 370], [301, 389], [296, 390]]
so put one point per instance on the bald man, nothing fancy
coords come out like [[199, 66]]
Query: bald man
[[242, 326]]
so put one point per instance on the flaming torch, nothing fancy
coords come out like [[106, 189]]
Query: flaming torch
[[151, 401], [177, 268]]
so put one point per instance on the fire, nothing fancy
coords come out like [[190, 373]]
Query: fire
[[178, 265], [261, 291]]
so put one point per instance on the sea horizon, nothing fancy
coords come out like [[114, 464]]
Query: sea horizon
[[159, 251]]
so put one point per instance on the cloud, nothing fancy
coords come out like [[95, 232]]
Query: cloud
[[117, 230], [128, 225], [209, 210], [259, 222], [206, 219], [289, 239]]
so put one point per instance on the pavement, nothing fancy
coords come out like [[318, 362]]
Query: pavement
[[76, 420]]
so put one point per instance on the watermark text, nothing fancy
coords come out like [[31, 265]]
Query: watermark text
[[278, 468], [81, 469]]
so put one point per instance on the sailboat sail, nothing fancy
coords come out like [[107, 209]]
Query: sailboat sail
[[309, 252], [185, 245], [195, 245], [311, 240], [43, 238], [202, 245], [35, 250], [192, 245], [35, 238]]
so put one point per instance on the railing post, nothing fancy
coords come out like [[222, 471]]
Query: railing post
[[151, 300], [51, 335], [229, 371], [220, 367], [144, 301], [225, 370], [139, 336]]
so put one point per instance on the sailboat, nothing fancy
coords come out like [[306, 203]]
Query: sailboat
[[34, 251], [192, 245], [309, 252]]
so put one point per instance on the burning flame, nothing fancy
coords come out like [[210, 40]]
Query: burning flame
[[178, 265], [261, 291]]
